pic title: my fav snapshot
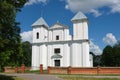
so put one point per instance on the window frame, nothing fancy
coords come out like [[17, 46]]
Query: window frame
[[57, 63], [57, 50], [37, 35], [57, 37]]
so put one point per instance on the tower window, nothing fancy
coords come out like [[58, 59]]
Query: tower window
[[57, 37], [57, 50], [37, 35]]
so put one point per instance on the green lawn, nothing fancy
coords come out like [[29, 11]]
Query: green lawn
[[2, 77], [81, 78], [77, 77]]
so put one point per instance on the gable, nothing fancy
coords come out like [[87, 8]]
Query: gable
[[59, 26], [40, 22]]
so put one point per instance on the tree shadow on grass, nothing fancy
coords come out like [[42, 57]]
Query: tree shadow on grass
[[3, 77]]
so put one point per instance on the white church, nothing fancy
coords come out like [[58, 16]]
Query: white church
[[54, 46]]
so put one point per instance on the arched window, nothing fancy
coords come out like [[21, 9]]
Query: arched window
[[37, 35]]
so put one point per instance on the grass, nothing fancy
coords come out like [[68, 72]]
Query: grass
[[35, 71], [3, 77], [81, 77]]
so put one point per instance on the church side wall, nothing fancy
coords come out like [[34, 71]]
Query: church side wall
[[50, 35], [40, 60], [79, 57], [85, 30], [67, 36], [35, 57], [91, 60], [49, 53], [66, 55], [43, 55], [86, 62], [76, 55]]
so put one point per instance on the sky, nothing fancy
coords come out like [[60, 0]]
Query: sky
[[103, 16]]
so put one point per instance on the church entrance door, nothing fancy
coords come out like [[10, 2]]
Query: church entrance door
[[57, 62]]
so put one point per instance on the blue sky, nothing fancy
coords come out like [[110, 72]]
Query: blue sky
[[103, 15]]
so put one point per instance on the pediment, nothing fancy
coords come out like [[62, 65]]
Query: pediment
[[58, 26]]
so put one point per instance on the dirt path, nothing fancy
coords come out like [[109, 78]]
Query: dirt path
[[34, 76]]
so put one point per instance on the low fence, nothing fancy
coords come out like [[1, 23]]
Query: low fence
[[109, 70], [68, 70], [22, 69], [55, 70], [85, 70], [9, 69]]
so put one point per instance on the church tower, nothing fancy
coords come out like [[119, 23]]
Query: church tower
[[39, 50], [80, 26], [81, 48], [40, 31]]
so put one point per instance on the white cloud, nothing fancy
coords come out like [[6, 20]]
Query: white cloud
[[109, 39], [26, 36], [86, 6], [115, 8], [96, 13], [30, 2], [95, 49], [92, 5]]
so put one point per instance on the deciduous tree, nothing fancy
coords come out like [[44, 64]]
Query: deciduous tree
[[9, 32], [107, 56]]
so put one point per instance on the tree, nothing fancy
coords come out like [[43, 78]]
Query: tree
[[107, 56], [116, 51], [26, 52], [96, 60], [111, 55], [9, 32]]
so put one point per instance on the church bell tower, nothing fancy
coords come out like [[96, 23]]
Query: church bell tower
[[40, 31], [80, 26], [81, 47]]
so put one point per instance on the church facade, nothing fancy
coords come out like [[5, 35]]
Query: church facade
[[54, 46]]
